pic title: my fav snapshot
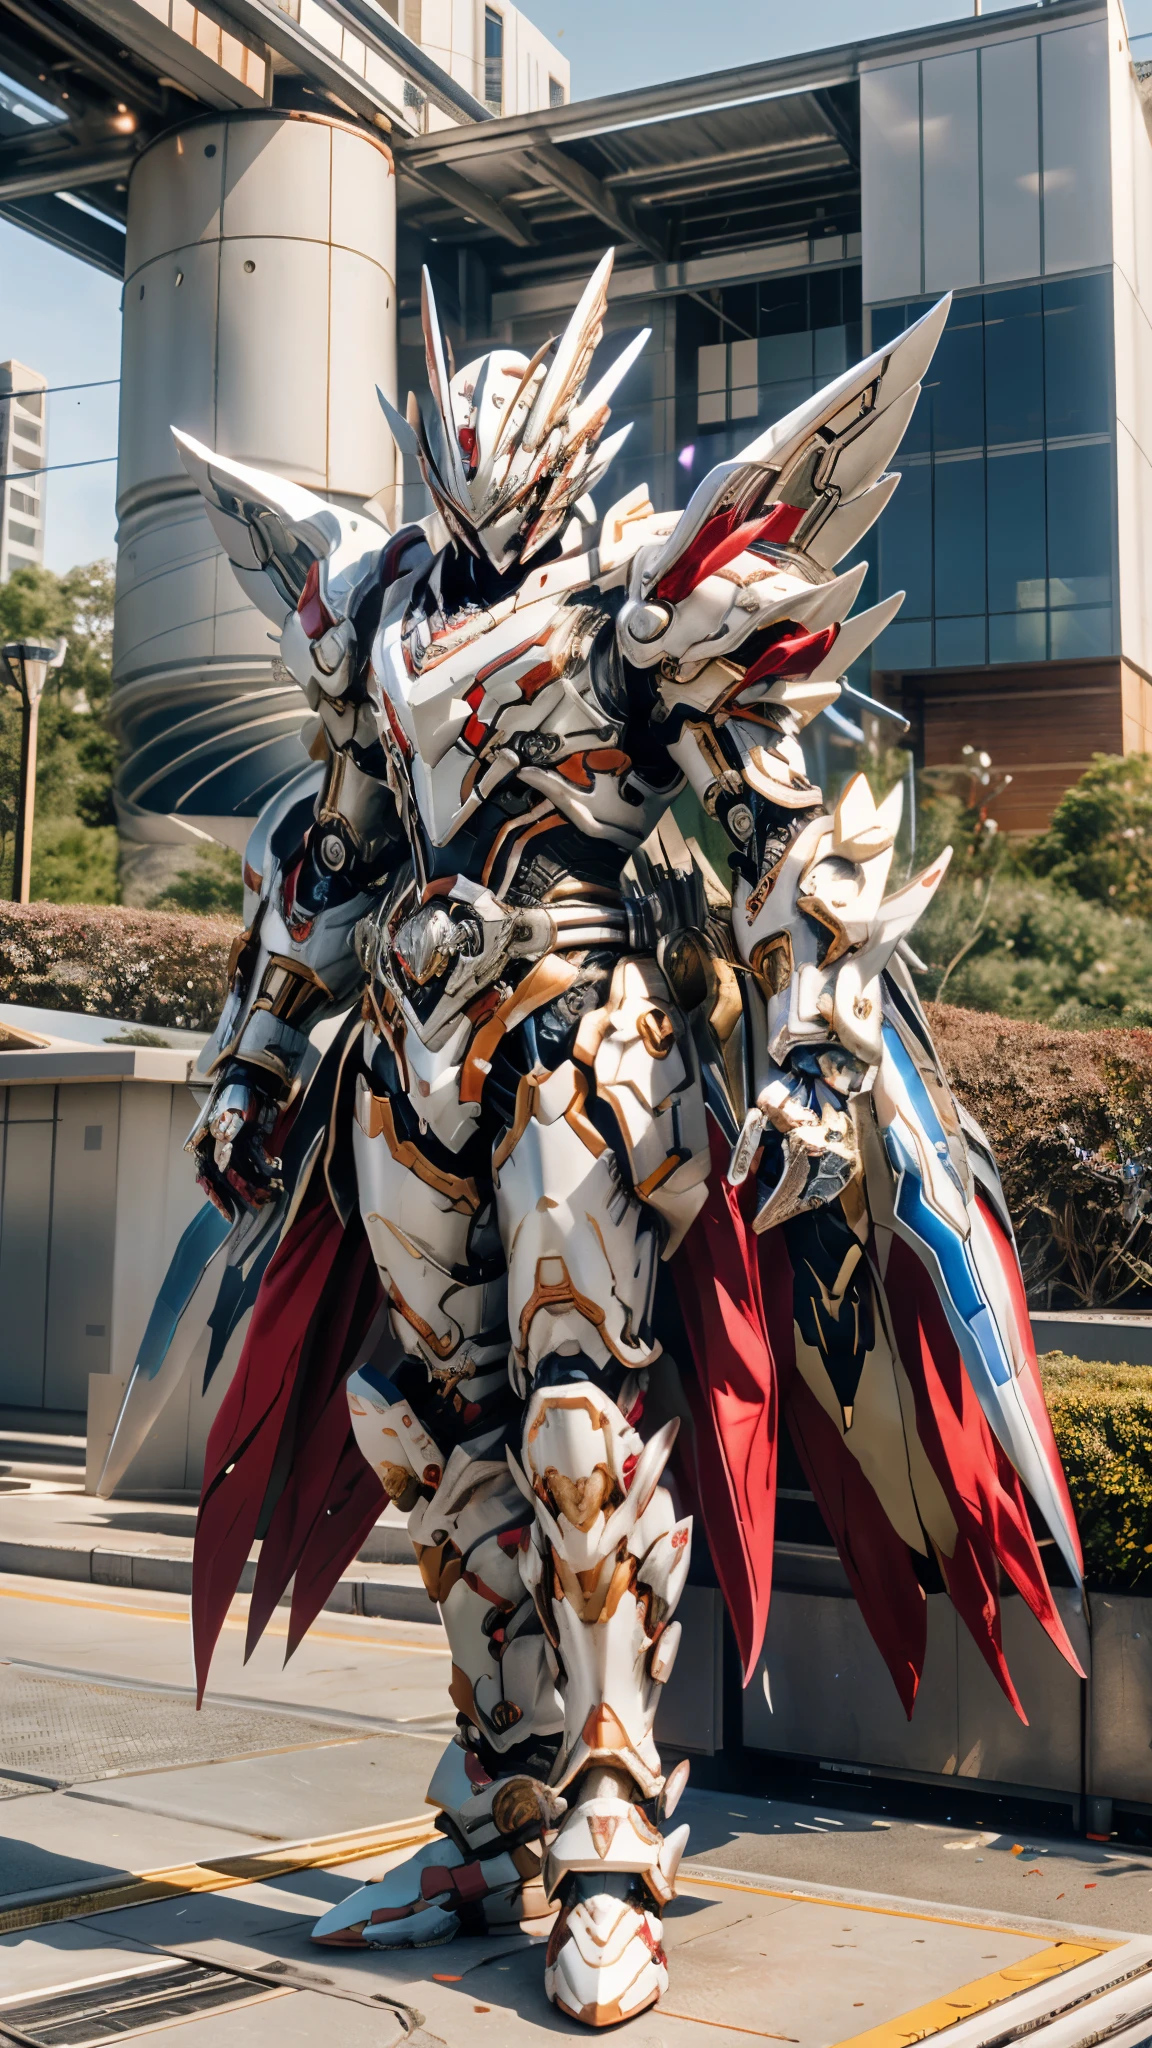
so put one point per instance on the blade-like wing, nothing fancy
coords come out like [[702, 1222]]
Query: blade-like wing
[[272, 530], [168, 1341], [798, 477]]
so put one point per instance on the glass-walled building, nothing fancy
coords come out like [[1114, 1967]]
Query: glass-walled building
[[774, 224], [1015, 173]]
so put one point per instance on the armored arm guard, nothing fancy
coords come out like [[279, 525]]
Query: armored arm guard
[[324, 845], [745, 630], [311, 870]]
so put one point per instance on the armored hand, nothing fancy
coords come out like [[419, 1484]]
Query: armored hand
[[229, 1140]]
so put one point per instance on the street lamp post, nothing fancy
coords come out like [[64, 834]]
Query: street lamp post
[[28, 664]]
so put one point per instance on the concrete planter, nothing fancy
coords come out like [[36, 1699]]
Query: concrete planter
[[824, 1692]]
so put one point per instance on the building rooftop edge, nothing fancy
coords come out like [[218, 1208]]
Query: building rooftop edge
[[807, 71]]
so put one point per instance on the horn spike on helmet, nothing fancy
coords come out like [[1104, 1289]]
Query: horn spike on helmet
[[440, 383], [508, 445], [574, 352]]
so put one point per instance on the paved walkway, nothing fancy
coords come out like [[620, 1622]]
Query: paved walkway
[[51, 1528], [796, 1923]]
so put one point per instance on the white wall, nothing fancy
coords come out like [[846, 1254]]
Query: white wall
[[452, 31]]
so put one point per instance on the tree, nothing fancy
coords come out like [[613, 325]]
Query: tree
[[74, 856], [1100, 840]]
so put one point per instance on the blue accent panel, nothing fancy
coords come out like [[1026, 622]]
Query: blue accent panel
[[190, 1260], [380, 1383], [921, 1101], [961, 1297]]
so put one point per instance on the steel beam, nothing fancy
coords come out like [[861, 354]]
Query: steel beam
[[501, 215], [24, 175], [69, 228], [127, 85], [565, 175]]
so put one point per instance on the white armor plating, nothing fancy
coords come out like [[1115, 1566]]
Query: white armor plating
[[507, 699]]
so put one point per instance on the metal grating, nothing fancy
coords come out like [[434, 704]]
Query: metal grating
[[69, 1731], [147, 1999]]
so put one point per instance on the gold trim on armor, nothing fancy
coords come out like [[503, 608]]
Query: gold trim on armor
[[288, 987], [542, 984], [443, 1347], [460, 1189], [772, 963]]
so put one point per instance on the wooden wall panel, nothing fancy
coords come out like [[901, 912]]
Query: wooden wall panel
[[1042, 725]]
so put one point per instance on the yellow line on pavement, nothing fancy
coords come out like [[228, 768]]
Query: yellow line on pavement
[[931, 2019], [321, 1635], [223, 1873], [697, 1874]]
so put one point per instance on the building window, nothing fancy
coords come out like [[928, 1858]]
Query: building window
[[984, 166], [24, 534], [493, 60], [23, 501], [25, 430], [555, 92], [1002, 528]]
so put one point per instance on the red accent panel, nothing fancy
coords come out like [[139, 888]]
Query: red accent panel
[[983, 1491], [537, 679], [474, 1771], [492, 668], [315, 616], [467, 440], [719, 541], [796, 655], [314, 1307], [464, 1882], [718, 1284], [475, 732], [876, 1559]]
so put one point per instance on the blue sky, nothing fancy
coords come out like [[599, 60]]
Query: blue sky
[[63, 318]]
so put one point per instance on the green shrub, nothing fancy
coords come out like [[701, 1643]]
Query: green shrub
[[1100, 840], [1102, 1419], [212, 886], [146, 966]]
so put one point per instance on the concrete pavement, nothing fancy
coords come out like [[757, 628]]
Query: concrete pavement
[[798, 1922]]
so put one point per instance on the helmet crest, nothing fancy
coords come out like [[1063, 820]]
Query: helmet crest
[[511, 443]]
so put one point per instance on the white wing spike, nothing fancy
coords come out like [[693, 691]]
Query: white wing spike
[[574, 352], [854, 636], [440, 382], [841, 426], [849, 523], [602, 391], [406, 440], [829, 603]]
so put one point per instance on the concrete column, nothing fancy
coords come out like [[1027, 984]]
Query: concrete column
[[259, 315]]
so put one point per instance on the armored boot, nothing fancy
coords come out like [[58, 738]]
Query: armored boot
[[606, 1564], [484, 1870], [481, 1873]]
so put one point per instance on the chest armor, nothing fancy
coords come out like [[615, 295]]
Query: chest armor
[[495, 732], [483, 703]]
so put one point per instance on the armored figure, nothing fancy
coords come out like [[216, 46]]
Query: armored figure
[[605, 1146]]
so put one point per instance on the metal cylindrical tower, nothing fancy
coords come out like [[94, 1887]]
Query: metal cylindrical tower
[[259, 315]]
